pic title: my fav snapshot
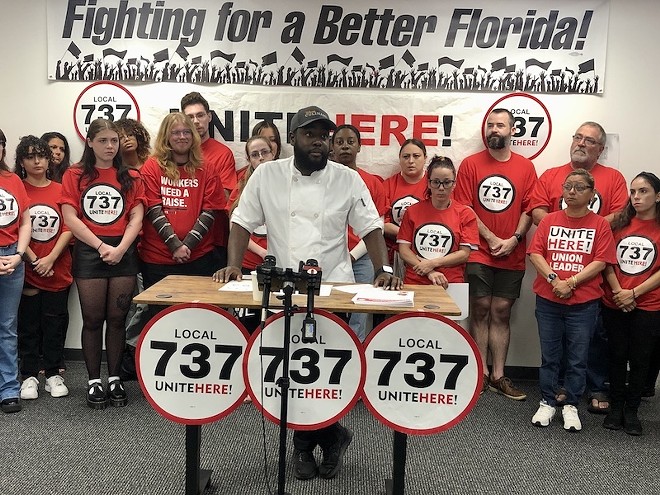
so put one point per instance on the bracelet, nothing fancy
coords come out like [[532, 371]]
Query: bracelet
[[99, 246], [575, 282], [634, 296]]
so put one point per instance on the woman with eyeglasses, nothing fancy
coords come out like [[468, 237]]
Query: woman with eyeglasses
[[404, 189], [269, 130], [631, 306], [15, 230], [103, 206], [183, 196], [258, 151], [437, 234], [569, 250]]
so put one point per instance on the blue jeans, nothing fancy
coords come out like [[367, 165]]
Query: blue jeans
[[565, 329], [11, 288], [363, 271], [597, 367]]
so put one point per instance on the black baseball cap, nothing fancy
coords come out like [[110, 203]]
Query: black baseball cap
[[307, 115]]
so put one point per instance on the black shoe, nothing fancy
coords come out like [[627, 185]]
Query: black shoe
[[127, 370], [614, 419], [332, 456], [304, 465], [96, 396], [117, 394], [11, 405], [631, 423], [648, 391]]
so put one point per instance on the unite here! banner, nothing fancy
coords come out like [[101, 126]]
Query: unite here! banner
[[503, 46]]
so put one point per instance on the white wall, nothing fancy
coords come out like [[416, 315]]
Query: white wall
[[29, 103]]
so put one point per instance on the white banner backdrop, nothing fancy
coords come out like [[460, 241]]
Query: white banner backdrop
[[500, 45]]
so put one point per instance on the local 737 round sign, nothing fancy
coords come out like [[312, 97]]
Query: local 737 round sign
[[103, 100], [189, 363], [531, 120], [423, 373], [325, 377]]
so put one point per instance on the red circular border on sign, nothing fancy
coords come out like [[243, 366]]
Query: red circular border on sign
[[460, 417], [526, 95], [82, 93], [154, 404], [363, 367]]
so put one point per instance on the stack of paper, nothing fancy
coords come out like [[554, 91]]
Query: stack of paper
[[376, 296]]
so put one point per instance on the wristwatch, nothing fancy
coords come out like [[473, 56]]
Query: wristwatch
[[385, 269], [551, 277], [518, 237], [21, 254]]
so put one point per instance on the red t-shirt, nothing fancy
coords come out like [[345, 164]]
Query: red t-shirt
[[400, 196], [13, 202], [182, 203], [377, 191], [568, 245], [434, 233], [637, 259], [220, 157], [498, 192], [100, 204], [259, 236], [47, 227], [611, 190]]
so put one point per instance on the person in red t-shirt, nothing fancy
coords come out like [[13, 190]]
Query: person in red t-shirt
[[183, 196], [135, 142], [496, 184], [60, 154], [43, 315], [345, 144], [569, 250], [631, 309], [611, 196], [402, 190], [14, 239], [437, 234], [103, 206], [217, 155], [269, 130]]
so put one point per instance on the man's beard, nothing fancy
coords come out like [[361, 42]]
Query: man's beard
[[496, 142], [305, 163]]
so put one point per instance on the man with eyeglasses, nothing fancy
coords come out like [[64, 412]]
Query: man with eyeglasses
[[217, 155], [611, 196], [496, 184]]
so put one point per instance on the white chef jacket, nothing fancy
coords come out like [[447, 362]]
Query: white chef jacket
[[307, 216]]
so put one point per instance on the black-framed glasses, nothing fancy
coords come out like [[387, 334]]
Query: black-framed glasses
[[580, 188], [587, 140], [436, 183]]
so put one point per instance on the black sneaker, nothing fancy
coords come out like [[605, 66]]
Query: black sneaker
[[614, 419], [332, 456], [11, 405], [117, 394], [631, 423], [304, 465], [96, 396]]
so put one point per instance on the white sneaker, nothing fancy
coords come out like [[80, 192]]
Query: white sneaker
[[544, 414], [30, 388], [55, 385], [571, 418]]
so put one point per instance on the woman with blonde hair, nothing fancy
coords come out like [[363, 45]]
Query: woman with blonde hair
[[183, 195]]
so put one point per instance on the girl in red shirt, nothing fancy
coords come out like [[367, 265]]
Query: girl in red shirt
[[43, 314], [14, 239], [632, 301], [437, 234], [103, 205]]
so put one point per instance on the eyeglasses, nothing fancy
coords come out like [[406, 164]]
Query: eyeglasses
[[182, 132], [580, 188], [260, 154], [587, 140], [436, 183]]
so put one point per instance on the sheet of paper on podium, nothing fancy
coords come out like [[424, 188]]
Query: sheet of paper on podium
[[376, 296]]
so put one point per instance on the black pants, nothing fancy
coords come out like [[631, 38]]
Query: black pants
[[632, 337], [42, 316], [324, 438]]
